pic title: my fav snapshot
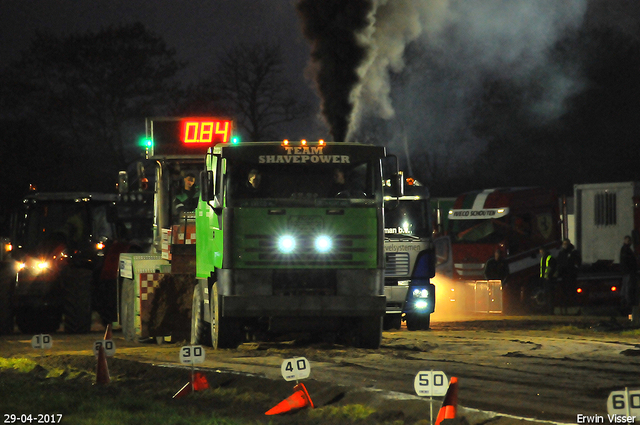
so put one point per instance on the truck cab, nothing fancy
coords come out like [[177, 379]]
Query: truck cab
[[407, 234]]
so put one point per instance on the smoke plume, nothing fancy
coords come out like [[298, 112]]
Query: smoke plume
[[332, 27], [419, 65]]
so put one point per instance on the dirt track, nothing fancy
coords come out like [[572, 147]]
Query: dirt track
[[545, 368]]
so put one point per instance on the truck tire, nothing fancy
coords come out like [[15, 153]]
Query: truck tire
[[200, 329], [77, 300], [418, 322], [127, 312], [225, 331], [36, 320], [370, 335], [392, 321]]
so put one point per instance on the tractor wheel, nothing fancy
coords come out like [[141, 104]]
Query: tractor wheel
[[225, 331], [77, 300], [370, 335], [127, 312], [6, 302], [37, 320], [200, 330]]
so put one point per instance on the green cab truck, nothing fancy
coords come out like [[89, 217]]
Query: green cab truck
[[289, 239]]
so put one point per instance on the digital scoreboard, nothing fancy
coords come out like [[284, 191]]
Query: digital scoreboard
[[186, 136]]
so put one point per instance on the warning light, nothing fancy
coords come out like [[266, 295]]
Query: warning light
[[304, 142], [199, 131], [614, 289], [285, 142], [410, 181], [321, 142], [579, 290], [235, 140]]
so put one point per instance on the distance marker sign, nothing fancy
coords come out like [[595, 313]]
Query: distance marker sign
[[431, 383], [295, 369], [624, 402], [42, 341], [109, 347], [192, 354]]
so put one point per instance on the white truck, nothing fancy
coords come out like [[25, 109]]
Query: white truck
[[604, 214]]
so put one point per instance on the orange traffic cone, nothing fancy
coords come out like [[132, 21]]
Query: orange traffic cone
[[450, 402], [107, 332], [102, 373], [296, 401], [198, 383]]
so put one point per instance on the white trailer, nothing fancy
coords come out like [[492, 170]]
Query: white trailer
[[604, 214]]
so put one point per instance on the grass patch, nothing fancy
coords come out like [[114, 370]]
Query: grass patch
[[351, 412], [17, 364], [31, 389]]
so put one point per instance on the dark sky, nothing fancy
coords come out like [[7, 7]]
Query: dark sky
[[454, 48], [197, 29]]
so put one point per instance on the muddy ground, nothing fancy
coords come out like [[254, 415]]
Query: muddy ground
[[509, 368]]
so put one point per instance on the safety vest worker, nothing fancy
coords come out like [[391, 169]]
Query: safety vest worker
[[547, 265]]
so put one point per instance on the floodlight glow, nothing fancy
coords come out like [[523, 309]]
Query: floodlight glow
[[323, 244], [286, 244]]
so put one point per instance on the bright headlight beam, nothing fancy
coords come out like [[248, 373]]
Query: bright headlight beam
[[323, 244], [286, 244]]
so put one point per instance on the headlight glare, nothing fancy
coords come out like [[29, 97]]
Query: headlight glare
[[323, 244], [420, 293], [286, 244]]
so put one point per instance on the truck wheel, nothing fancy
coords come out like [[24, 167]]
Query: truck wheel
[[370, 335], [539, 300], [38, 320], [77, 301], [392, 321], [200, 330], [127, 320], [418, 322], [225, 331]]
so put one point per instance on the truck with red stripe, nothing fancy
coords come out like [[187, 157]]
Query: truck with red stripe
[[517, 221]]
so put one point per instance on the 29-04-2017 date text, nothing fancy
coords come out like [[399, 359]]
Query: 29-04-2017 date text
[[28, 418]]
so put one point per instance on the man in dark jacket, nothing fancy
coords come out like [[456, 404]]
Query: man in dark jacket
[[496, 268], [629, 267], [569, 261]]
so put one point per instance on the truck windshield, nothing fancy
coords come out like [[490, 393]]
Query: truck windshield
[[409, 217], [298, 183], [479, 231]]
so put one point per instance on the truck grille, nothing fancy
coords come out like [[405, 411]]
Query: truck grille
[[396, 264], [263, 250]]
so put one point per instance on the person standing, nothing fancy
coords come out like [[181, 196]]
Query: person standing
[[569, 261], [547, 273], [629, 267], [496, 268]]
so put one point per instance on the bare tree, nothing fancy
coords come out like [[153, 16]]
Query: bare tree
[[249, 80]]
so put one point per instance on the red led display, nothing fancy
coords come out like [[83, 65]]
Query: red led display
[[205, 131]]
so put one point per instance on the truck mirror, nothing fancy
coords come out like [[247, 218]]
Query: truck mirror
[[397, 184], [123, 182], [206, 183]]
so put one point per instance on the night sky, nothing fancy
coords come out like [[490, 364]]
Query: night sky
[[444, 83]]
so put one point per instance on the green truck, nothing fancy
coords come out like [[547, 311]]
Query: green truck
[[289, 239]]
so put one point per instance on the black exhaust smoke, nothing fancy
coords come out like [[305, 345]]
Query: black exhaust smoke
[[331, 27]]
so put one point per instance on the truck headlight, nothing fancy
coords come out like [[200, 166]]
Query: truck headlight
[[42, 266], [420, 293], [286, 244], [323, 244], [421, 304], [20, 266]]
